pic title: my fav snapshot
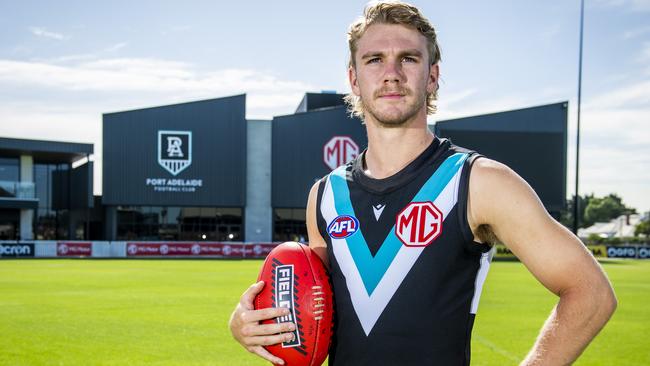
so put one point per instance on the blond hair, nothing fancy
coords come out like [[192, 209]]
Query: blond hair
[[391, 12]]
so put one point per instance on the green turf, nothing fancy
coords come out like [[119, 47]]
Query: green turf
[[166, 312]]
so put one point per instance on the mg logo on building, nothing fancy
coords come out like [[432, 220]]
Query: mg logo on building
[[419, 224], [174, 150], [339, 150]]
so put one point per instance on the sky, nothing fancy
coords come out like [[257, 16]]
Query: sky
[[65, 63]]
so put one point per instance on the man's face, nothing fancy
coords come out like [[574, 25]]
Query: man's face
[[392, 74]]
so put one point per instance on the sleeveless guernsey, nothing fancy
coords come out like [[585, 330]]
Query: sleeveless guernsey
[[406, 272]]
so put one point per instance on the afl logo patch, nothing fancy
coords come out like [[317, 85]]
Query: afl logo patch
[[343, 226]]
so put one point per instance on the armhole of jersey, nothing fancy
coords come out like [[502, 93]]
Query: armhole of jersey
[[320, 221], [463, 194]]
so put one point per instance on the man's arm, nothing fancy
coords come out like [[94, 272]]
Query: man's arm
[[502, 200], [316, 241], [245, 320]]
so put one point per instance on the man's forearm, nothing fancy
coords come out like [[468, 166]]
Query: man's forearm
[[574, 322]]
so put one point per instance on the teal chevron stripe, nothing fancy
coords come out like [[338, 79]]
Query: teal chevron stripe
[[371, 268]]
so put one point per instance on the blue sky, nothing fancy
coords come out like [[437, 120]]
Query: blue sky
[[64, 63]]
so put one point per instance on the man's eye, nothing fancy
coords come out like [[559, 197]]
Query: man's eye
[[409, 59], [373, 60]]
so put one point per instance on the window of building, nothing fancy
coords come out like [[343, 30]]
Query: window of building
[[9, 176], [179, 223], [289, 224], [51, 189]]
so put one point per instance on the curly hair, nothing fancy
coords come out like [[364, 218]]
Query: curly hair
[[391, 12]]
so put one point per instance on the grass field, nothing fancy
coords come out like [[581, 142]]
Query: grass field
[[174, 312]]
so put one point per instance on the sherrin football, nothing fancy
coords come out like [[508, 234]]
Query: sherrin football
[[295, 277]]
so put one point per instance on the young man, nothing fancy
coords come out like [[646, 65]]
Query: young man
[[407, 282]]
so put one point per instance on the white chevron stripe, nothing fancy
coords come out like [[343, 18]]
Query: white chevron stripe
[[481, 276], [369, 308]]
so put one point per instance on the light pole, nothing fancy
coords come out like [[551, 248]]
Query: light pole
[[576, 201]]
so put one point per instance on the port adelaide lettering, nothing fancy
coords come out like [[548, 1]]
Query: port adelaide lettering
[[174, 184]]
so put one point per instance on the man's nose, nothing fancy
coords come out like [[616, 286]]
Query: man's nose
[[393, 71]]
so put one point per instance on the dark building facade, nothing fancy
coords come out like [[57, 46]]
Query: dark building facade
[[45, 190], [531, 141], [176, 172], [305, 147]]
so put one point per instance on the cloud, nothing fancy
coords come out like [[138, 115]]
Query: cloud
[[633, 33], [161, 80], [644, 57], [550, 32], [132, 74], [42, 32], [116, 47], [633, 95], [631, 5], [176, 29]]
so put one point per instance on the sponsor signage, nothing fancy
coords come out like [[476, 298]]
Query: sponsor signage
[[343, 226], [621, 252], [16, 250], [284, 298], [339, 150], [599, 251], [198, 249], [73, 249], [643, 252], [419, 224]]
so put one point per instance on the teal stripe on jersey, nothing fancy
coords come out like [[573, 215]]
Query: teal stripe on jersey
[[371, 268]]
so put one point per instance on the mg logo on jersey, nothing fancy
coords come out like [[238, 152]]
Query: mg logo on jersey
[[174, 150], [419, 224], [339, 150], [343, 226]]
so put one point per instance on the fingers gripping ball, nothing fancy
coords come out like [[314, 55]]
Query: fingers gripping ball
[[296, 278]]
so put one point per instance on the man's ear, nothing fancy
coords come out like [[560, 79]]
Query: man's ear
[[432, 83], [352, 78]]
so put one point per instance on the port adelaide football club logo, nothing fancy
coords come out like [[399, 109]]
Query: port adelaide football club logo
[[174, 156], [174, 150]]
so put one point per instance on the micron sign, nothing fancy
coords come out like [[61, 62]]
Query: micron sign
[[339, 150], [419, 224]]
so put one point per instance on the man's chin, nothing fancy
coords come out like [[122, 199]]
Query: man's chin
[[392, 123], [392, 120]]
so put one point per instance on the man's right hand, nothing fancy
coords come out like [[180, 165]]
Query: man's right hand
[[247, 330]]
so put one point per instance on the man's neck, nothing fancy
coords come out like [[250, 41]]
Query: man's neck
[[390, 149]]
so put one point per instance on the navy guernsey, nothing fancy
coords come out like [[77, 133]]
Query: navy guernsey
[[406, 273]]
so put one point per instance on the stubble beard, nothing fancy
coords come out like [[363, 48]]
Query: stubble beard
[[394, 120]]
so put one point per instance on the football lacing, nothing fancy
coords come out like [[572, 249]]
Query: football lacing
[[319, 301]]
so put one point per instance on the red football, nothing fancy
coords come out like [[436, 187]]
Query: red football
[[295, 277]]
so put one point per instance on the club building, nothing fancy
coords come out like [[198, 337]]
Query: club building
[[200, 171], [45, 190]]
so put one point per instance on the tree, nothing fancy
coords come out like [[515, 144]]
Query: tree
[[643, 228], [567, 215], [605, 209]]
